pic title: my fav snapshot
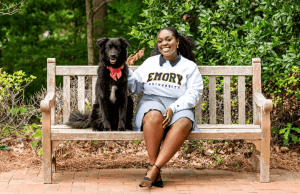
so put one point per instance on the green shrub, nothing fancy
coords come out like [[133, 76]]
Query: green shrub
[[38, 134], [289, 133], [232, 32], [14, 111]]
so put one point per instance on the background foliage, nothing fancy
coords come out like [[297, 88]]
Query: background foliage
[[227, 32], [41, 30], [232, 32], [48, 28]]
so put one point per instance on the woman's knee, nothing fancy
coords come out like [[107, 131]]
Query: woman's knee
[[185, 124], [153, 117]]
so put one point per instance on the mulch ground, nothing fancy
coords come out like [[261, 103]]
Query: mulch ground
[[87, 155]]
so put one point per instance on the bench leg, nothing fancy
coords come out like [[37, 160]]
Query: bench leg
[[47, 148], [255, 159], [265, 164], [265, 148], [54, 145]]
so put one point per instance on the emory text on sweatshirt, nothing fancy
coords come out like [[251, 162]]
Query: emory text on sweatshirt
[[178, 79]]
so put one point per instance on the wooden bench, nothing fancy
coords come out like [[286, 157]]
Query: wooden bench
[[257, 133]]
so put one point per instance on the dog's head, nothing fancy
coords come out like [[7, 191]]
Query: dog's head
[[113, 51]]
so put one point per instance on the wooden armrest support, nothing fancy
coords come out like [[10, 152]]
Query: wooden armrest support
[[261, 101], [48, 102]]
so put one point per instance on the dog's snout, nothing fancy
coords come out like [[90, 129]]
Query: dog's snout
[[113, 53]]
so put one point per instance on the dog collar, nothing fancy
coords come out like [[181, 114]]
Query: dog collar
[[115, 73]]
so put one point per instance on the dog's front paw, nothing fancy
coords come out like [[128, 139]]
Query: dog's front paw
[[121, 129], [97, 129], [106, 129]]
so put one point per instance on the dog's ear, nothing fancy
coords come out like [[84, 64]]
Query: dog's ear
[[101, 41], [124, 42]]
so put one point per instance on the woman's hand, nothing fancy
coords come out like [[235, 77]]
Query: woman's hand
[[167, 116]]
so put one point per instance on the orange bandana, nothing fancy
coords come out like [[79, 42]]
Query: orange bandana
[[115, 73]]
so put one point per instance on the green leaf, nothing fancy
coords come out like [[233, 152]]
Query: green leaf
[[95, 142], [297, 129], [23, 109], [34, 125], [37, 134], [233, 33], [215, 30], [40, 153], [274, 129], [294, 138], [15, 111], [285, 141], [3, 147], [87, 106], [186, 6], [286, 135], [152, 43], [281, 131], [164, 12], [136, 142], [34, 143]]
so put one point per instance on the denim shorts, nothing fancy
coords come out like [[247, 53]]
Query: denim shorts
[[160, 103]]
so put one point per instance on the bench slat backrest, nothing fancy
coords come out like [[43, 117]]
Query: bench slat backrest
[[210, 71], [81, 87], [241, 99], [66, 98], [227, 101], [205, 70], [212, 100]]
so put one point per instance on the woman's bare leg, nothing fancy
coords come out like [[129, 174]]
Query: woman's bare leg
[[174, 139], [153, 133]]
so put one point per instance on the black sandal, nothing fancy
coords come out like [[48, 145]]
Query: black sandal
[[156, 183], [148, 182]]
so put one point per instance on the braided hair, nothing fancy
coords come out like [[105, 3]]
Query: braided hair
[[186, 44]]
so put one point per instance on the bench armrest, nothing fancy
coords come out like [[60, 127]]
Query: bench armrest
[[48, 102], [261, 101]]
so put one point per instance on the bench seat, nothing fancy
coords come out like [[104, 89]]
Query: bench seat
[[215, 132]]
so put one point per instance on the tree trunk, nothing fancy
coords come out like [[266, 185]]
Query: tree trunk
[[89, 32], [98, 18], [89, 24]]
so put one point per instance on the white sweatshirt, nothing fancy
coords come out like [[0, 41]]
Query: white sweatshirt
[[179, 79]]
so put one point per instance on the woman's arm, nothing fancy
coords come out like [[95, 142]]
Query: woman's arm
[[135, 81], [191, 96]]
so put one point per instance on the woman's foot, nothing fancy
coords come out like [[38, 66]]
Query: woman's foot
[[152, 174], [158, 180]]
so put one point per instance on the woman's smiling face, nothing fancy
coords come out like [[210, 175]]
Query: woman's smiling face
[[167, 44]]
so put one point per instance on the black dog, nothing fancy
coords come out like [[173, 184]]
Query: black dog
[[113, 108]]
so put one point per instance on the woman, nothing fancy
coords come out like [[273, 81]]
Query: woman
[[172, 83]]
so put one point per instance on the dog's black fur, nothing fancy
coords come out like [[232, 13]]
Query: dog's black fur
[[113, 108]]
